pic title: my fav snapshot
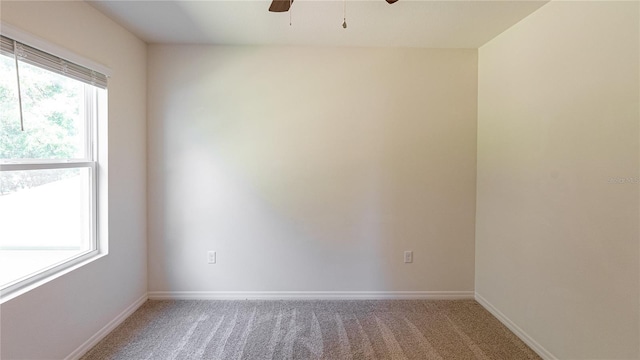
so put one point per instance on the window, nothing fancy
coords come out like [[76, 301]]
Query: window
[[48, 164]]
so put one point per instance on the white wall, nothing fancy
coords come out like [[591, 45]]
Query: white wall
[[556, 243], [311, 169], [54, 319]]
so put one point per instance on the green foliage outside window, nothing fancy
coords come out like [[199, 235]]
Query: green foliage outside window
[[53, 124]]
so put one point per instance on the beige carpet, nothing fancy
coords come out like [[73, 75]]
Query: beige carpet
[[395, 329]]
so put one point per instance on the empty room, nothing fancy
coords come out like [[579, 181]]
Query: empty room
[[319, 179]]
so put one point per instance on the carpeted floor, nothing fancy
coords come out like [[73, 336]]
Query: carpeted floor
[[394, 329]]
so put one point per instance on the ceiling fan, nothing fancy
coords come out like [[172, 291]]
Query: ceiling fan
[[284, 5]]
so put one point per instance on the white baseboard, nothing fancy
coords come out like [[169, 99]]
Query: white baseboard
[[534, 345], [308, 295], [77, 353]]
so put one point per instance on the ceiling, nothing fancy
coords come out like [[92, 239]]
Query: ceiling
[[407, 23]]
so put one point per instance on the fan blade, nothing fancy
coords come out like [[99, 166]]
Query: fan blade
[[281, 5], [391, 1]]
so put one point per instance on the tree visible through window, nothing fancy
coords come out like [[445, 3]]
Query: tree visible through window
[[53, 125], [47, 169]]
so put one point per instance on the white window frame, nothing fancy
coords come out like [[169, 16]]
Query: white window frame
[[95, 159]]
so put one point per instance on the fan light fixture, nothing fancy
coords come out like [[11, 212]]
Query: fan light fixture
[[285, 5]]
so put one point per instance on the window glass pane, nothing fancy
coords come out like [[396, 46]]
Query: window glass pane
[[46, 219], [53, 114]]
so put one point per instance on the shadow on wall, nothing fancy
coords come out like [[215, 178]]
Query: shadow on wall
[[313, 176]]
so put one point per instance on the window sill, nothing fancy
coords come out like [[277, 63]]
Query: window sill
[[38, 280]]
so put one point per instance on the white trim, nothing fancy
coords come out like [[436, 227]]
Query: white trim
[[46, 165], [53, 49], [87, 345], [308, 295], [532, 343], [53, 273]]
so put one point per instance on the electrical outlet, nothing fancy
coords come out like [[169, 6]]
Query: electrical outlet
[[211, 257], [408, 256]]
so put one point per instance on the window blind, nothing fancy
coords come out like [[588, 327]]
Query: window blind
[[33, 56]]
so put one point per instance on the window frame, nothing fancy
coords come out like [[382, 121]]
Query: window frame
[[95, 121]]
